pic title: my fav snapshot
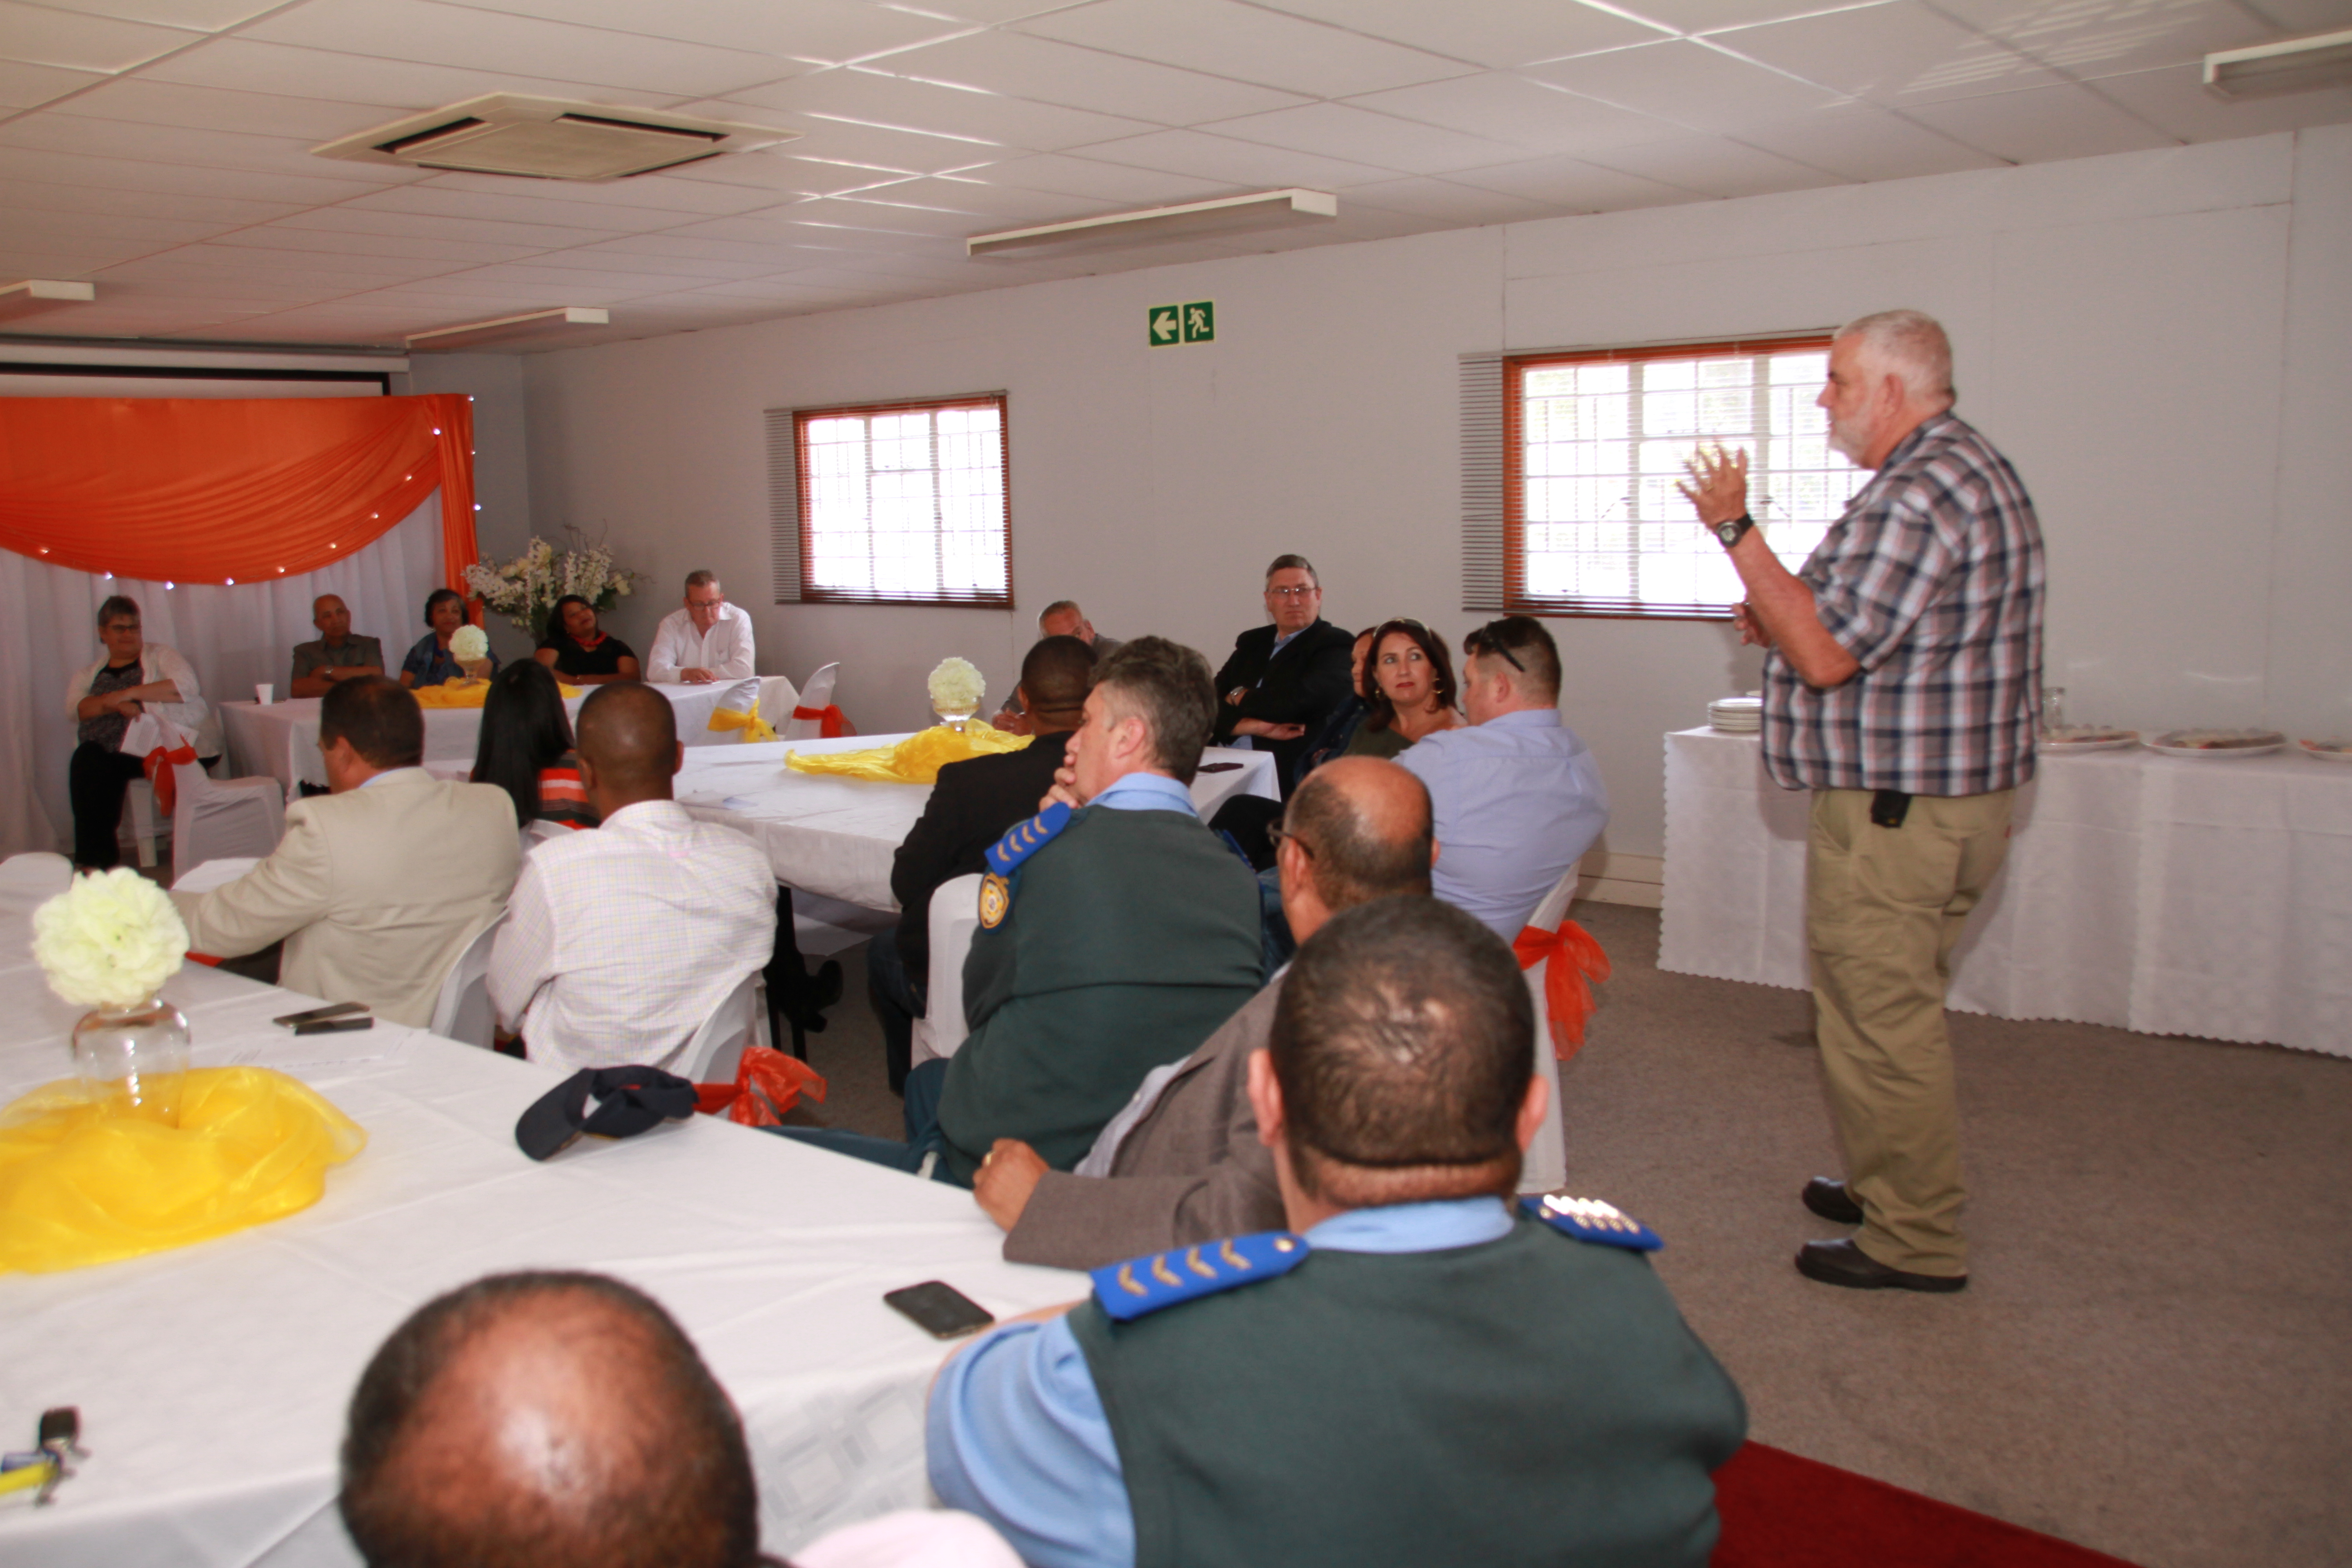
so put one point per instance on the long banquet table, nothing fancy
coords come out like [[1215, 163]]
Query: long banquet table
[[212, 1380], [2173, 896]]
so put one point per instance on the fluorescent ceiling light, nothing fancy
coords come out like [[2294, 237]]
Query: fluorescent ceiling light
[[2290, 65], [35, 295], [507, 328], [550, 139], [1226, 215]]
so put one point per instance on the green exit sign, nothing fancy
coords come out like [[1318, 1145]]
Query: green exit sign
[[1173, 324]]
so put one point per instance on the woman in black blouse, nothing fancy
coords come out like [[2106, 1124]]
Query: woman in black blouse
[[581, 654]]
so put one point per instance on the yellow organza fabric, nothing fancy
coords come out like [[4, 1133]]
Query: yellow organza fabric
[[78, 1186], [917, 759], [464, 693], [754, 727]]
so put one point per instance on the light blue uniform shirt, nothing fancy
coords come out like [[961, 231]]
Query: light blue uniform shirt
[[1017, 1433], [1147, 792], [1515, 803]]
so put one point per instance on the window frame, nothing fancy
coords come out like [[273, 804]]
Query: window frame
[[1514, 369], [810, 592]]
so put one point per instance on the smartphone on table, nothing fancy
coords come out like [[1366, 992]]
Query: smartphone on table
[[939, 1310]]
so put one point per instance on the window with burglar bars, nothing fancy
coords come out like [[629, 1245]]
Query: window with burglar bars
[[1594, 442], [899, 503]]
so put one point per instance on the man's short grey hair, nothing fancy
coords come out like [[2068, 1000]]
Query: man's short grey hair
[[1060, 607], [1912, 344], [1168, 686], [703, 579], [1294, 562]]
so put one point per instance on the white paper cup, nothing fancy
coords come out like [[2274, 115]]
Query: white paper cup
[[264, 692]]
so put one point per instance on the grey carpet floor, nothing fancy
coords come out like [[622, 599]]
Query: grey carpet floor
[[2154, 1354]]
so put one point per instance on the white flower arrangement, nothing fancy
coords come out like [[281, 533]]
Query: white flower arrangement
[[525, 589], [468, 644], [109, 940], [957, 686]]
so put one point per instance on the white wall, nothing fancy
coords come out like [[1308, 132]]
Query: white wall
[[501, 467], [2159, 341]]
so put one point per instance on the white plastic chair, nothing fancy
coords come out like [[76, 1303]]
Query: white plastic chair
[[1547, 1162], [212, 820], [464, 1013], [954, 917], [815, 694], [741, 1020], [35, 874], [139, 816]]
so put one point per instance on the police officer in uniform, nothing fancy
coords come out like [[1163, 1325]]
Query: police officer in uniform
[[1413, 1373]]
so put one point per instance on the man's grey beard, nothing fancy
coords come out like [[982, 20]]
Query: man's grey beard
[[1849, 445]]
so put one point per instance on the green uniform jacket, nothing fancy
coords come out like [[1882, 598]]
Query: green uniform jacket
[[1130, 937]]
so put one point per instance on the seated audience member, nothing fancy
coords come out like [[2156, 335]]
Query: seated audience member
[[1284, 680], [618, 944], [581, 654], [430, 663], [1518, 797], [377, 886], [709, 639], [335, 655], [1410, 690], [102, 698], [1062, 618], [1248, 818], [1331, 741], [1421, 1374], [970, 808], [564, 1418], [525, 748], [1182, 1163]]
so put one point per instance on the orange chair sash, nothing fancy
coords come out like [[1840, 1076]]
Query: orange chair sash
[[782, 1078], [1576, 961], [831, 725], [158, 764]]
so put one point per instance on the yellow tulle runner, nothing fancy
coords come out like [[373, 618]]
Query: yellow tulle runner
[[77, 1186], [917, 759], [754, 728], [464, 693]]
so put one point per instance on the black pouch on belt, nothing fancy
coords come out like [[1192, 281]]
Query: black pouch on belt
[[1888, 808]]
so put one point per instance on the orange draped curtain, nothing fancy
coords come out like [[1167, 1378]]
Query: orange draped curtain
[[230, 491]]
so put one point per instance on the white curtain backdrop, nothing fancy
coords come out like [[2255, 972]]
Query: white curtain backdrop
[[234, 636]]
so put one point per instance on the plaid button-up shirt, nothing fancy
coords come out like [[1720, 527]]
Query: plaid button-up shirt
[[1933, 580]]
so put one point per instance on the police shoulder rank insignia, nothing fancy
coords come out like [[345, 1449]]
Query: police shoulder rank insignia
[[1025, 838], [1142, 1285], [1589, 1219]]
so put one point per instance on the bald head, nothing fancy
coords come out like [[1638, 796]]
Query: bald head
[[1362, 826], [627, 735], [535, 1419], [331, 616]]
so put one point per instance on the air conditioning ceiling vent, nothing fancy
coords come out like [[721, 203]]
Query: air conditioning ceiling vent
[[549, 139]]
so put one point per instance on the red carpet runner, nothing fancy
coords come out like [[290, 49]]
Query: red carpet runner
[[1779, 1510]]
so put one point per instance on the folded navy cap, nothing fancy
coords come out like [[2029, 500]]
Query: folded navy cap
[[629, 1100]]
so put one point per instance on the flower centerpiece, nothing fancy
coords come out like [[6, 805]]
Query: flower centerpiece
[[525, 589], [957, 686], [108, 942]]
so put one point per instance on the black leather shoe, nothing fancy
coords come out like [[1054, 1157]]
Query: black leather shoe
[[1827, 1197], [1843, 1263]]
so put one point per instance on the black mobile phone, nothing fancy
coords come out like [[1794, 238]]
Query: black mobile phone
[[332, 1010], [939, 1310], [335, 1026], [1216, 767]]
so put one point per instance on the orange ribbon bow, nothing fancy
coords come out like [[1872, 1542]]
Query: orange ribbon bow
[[833, 726], [1576, 960], [158, 764], [769, 1072]]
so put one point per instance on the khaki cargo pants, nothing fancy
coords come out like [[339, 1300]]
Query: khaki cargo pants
[[1884, 907]]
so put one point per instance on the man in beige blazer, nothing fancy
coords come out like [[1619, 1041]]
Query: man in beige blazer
[[378, 886], [1182, 1163]]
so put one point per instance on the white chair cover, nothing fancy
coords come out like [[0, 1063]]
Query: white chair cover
[[955, 916], [212, 820], [35, 875], [139, 816], [1547, 1162], [741, 1020], [815, 694], [464, 1013]]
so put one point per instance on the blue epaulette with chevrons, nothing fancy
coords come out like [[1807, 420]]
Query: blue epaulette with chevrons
[[1144, 1285], [1025, 838], [1589, 1219]]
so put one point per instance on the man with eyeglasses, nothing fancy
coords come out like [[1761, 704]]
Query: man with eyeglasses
[[1518, 797], [1284, 679], [708, 641]]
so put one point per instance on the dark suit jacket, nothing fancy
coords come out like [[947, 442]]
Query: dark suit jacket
[[971, 806], [1301, 685]]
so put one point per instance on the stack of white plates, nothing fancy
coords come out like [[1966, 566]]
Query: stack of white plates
[[1740, 715]]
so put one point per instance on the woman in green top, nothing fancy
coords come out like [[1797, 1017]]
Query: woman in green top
[[1409, 684]]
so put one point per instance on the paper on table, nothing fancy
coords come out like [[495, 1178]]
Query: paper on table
[[213, 874], [385, 1042]]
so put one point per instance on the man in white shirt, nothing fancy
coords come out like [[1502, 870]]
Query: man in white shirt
[[709, 640], [619, 942]]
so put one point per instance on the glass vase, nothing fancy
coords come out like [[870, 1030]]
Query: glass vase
[[133, 1059], [955, 718]]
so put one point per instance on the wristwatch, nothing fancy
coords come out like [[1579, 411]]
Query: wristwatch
[[1733, 529]]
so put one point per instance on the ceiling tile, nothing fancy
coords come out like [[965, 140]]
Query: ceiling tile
[[1491, 33], [870, 98], [1229, 39], [33, 195], [463, 293], [1047, 71], [1715, 166], [203, 15], [425, 225], [1337, 131], [1573, 185], [679, 269], [886, 148], [805, 30], [1713, 16], [1059, 174], [136, 174], [873, 214], [185, 147], [574, 283], [991, 203], [656, 192], [687, 252], [1687, 83], [1243, 163], [337, 242], [1863, 141], [1900, 53], [1459, 204], [1513, 109], [2296, 16], [401, 86], [2038, 125], [454, 36], [2089, 38], [36, 36], [141, 101], [105, 226], [274, 274], [26, 87], [599, 222], [2174, 101]]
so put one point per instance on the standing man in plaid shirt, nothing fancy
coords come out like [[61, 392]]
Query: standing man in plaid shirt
[[1902, 688]]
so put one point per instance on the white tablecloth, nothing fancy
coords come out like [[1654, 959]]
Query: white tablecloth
[[837, 837], [2173, 896], [282, 740], [212, 1380]]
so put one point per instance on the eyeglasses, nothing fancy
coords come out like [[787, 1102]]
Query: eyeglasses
[[1276, 836], [1290, 593], [1486, 640]]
